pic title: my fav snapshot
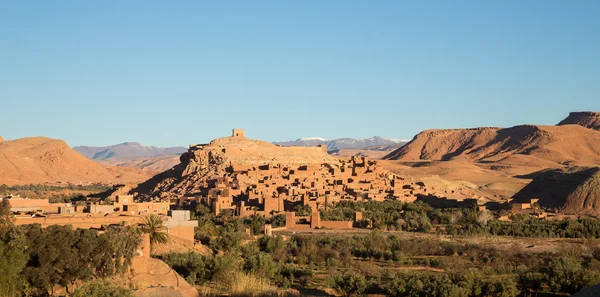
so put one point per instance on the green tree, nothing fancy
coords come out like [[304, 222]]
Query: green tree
[[303, 210], [231, 236], [194, 267], [12, 256], [257, 224], [567, 274], [349, 284], [154, 225]]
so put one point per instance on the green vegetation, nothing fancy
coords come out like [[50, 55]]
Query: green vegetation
[[102, 288], [154, 226], [12, 256], [49, 188], [419, 217], [35, 261], [56, 194], [386, 263], [43, 262], [380, 263], [66, 198]]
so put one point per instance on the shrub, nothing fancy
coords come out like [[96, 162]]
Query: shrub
[[102, 288], [349, 284]]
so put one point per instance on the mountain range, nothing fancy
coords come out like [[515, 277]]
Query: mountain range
[[344, 143], [158, 159], [127, 151]]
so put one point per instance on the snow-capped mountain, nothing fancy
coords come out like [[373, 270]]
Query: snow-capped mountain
[[311, 139], [344, 143], [127, 151]]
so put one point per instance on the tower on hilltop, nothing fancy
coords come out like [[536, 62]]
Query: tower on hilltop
[[238, 133]]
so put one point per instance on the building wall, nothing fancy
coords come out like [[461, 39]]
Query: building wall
[[82, 221], [148, 208], [96, 208], [28, 202], [336, 224], [182, 232]]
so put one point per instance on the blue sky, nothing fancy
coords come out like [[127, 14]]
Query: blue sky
[[178, 72]]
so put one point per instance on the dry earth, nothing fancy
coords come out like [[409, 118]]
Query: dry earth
[[37, 160]]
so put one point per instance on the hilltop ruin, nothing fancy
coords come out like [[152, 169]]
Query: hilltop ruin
[[255, 177]]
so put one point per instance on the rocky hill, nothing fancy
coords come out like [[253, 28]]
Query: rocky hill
[[544, 146], [204, 162], [572, 191], [39, 159], [586, 119]]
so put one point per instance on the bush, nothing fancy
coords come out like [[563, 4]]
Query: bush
[[102, 288], [195, 268], [349, 284]]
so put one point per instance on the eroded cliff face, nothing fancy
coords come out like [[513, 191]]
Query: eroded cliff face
[[571, 191], [542, 146], [586, 119]]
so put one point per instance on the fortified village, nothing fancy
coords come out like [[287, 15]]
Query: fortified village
[[245, 177]]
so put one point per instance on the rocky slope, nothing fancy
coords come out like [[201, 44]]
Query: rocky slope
[[572, 191], [152, 165], [543, 146], [39, 159], [203, 162], [586, 119]]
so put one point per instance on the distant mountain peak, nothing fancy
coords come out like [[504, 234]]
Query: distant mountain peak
[[311, 139], [343, 143], [128, 151], [131, 144]]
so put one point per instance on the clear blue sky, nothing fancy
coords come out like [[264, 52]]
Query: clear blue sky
[[178, 72]]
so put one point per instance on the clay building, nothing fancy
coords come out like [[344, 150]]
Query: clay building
[[245, 177]]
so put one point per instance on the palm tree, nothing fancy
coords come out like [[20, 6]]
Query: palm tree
[[153, 225]]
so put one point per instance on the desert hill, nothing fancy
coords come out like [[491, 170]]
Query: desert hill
[[572, 191], [39, 159], [203, 162], [586, 119], [1, 139], [543, 146]]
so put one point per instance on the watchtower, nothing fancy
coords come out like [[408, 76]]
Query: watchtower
[[238, 133]]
